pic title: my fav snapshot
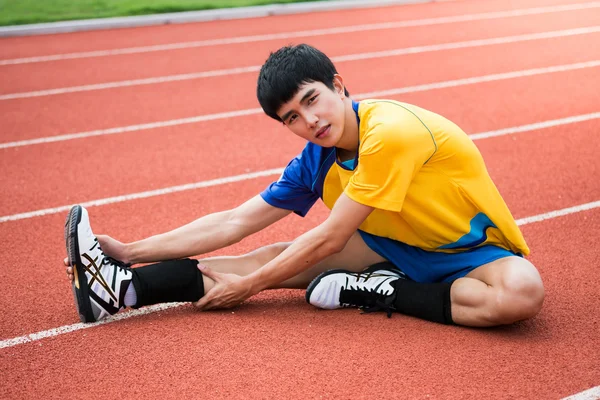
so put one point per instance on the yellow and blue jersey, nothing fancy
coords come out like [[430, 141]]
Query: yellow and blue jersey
[[424, 177]]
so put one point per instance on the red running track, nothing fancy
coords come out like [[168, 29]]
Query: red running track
[[37, 76], [166, 101], [276, 346]]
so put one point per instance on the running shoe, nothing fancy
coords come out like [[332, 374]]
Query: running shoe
[[100, 282], [371, 290]]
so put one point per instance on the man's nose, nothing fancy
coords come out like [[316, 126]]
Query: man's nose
[[312, 120]]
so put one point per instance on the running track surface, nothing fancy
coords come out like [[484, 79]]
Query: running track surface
[[275, 345]]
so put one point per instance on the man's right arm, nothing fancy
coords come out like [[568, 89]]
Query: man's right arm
[[206, 234]]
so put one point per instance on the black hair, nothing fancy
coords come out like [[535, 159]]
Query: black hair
[[286, 70]]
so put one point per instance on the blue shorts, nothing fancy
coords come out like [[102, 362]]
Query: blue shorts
[[429, 266]]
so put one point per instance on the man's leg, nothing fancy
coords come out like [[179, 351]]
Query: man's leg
[[501, 292], [355, 257], [180, 280]]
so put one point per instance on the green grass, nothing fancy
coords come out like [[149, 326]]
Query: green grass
[[17, 12]]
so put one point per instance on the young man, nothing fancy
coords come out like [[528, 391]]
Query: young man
[[416, 224]]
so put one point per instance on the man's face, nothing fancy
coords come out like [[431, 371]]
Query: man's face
[[316, 113]]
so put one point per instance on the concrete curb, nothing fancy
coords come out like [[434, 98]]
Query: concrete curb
[[195, 16]]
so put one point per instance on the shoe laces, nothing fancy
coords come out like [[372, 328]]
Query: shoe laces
[[107, 260], [368, 299], [379, 306]]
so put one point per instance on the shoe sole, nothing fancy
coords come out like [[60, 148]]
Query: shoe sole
[[316, 281], [80, 284]]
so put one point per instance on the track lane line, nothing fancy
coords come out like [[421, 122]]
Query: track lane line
[[590, 394], [146, 194], [32, 337], [481, 79], [252, 111], [307, 33], [536, 126], [276, 171], [558, 213], [337, 59], [132, 128]]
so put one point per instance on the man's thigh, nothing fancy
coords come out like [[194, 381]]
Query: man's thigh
[[355, 257]]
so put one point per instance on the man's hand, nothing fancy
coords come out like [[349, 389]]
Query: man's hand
[[229, 291], [111, 247]]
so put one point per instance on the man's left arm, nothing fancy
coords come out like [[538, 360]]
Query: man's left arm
[[328, 238]]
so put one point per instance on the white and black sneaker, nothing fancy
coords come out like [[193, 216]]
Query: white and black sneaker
[[100, 282], [371, 290]]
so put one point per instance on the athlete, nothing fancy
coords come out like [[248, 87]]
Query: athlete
[[416, 225]]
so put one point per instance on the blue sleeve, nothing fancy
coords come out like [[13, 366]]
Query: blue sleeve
[[294, 189]]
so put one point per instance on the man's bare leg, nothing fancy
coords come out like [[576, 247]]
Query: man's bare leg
[[355, 257], [501, 292]]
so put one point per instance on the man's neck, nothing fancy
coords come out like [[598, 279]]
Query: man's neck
[[348, 145]]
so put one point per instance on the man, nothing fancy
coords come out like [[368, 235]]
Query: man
[[416, 224]]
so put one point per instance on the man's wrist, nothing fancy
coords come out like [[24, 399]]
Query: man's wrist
[[254, 284], [130, 253]]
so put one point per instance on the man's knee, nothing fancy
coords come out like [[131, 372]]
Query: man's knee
[[520, 293]]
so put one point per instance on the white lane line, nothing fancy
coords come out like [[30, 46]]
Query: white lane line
[[307, 33], [536, 126], [161, 307], [558, 213], [131, 128], [338, 59], [232, 114], [150, 193], [32, 337], [481, 79], [277, 171], [590, 394], [133, 82]]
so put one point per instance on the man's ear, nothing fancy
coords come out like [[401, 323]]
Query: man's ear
[[338, 85]]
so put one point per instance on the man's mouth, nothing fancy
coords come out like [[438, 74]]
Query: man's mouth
[[323, 131]]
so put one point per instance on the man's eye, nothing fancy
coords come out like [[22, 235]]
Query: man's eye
[[312, 99], [292, 119]]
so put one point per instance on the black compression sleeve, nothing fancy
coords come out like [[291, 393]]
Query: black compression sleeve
[[168, 281], [430, 301]]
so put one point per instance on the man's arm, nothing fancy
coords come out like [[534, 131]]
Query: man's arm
[[307, 250], [315, 245], [206, 234]]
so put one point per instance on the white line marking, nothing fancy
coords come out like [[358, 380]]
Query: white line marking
[[142, 195], [161, 307], [277, 171], [536, 126], [480, 79], [79, 326], [590, 394], [127, 83], [132, 128], [558, 213], [339, 59], [307, 33], [232, 114]]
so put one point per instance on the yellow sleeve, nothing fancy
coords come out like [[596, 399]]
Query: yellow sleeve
[[390, 155]]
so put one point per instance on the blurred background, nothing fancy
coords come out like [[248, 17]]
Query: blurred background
[[18, 12]]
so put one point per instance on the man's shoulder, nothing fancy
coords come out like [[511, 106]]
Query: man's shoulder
[[313, 156], [389, 112], [390, 121], [310, 163]]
